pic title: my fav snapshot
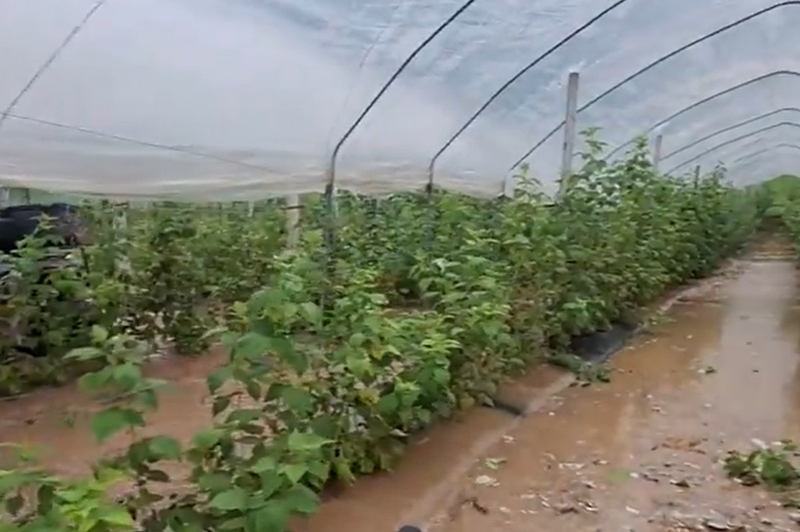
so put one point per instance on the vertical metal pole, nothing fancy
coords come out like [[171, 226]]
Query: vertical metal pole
[[657, 151], [293, 220], [251, 208], [570, 129], [329, 231], [696, 176], [26, 194]]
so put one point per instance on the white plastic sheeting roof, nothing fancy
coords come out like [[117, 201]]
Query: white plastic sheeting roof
[[239, 99]]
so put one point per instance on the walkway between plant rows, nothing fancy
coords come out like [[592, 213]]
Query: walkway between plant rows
[[642, 452]]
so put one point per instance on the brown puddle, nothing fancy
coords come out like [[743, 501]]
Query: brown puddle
[[722, 370]]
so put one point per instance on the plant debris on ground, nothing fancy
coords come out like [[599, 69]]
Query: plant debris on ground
[[772, 466]]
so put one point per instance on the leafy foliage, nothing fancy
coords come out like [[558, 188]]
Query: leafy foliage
[[770, 466], [337, 357], [779, 194]]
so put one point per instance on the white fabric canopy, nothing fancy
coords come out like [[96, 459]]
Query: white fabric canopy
[[241, 99]]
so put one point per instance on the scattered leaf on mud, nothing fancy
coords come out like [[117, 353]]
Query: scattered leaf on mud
[[486, 480], [681, 483], [681, 444], [650, 477], [566, 509], [495, 463], [476, 505]]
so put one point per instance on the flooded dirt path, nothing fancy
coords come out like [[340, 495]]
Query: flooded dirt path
[[643, 451]]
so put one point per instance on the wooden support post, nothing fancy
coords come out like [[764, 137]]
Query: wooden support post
[[293, 220], [657, 151]]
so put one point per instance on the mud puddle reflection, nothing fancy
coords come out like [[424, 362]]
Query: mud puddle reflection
[[641, 453]]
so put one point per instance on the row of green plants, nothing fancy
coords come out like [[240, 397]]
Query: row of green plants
[[420, 309], [782, 202]]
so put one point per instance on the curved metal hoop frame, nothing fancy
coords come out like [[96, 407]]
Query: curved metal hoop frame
[[737, 125], [513, 79], [655, 63], [755, 157], [762, 151], [733, 141]]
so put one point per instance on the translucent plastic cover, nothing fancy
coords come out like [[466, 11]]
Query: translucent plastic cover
[[238, 99]]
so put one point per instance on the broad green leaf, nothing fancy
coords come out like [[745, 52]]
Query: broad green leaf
[[294, 472], [215, 481], [231, 499], [319, 470], [272, 517], [271, 482], [388, 404], [267, 463], [298, 400], [216, 379], [96, 381], [128, 375], [206, 439], [306, 441], [84, 353], [99, 334], [311, 312], [286, 350], [108, 422], [301, 500], [165, 448], [118, 516], [251, 345]]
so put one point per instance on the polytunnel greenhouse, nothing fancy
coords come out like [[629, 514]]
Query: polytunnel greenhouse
[[350, 265]]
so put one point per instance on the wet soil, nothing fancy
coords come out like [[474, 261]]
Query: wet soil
[[639, 453]]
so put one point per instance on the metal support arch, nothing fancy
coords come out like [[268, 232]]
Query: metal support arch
[[375, 99], [756, 156], [766, 150], [730, 128], [513, 79], [655, 63], [699, 103], [732, 141], [747, 145], [753, 158], [330, 174]]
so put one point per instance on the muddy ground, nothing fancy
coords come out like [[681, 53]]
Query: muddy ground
[[641, 452]]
